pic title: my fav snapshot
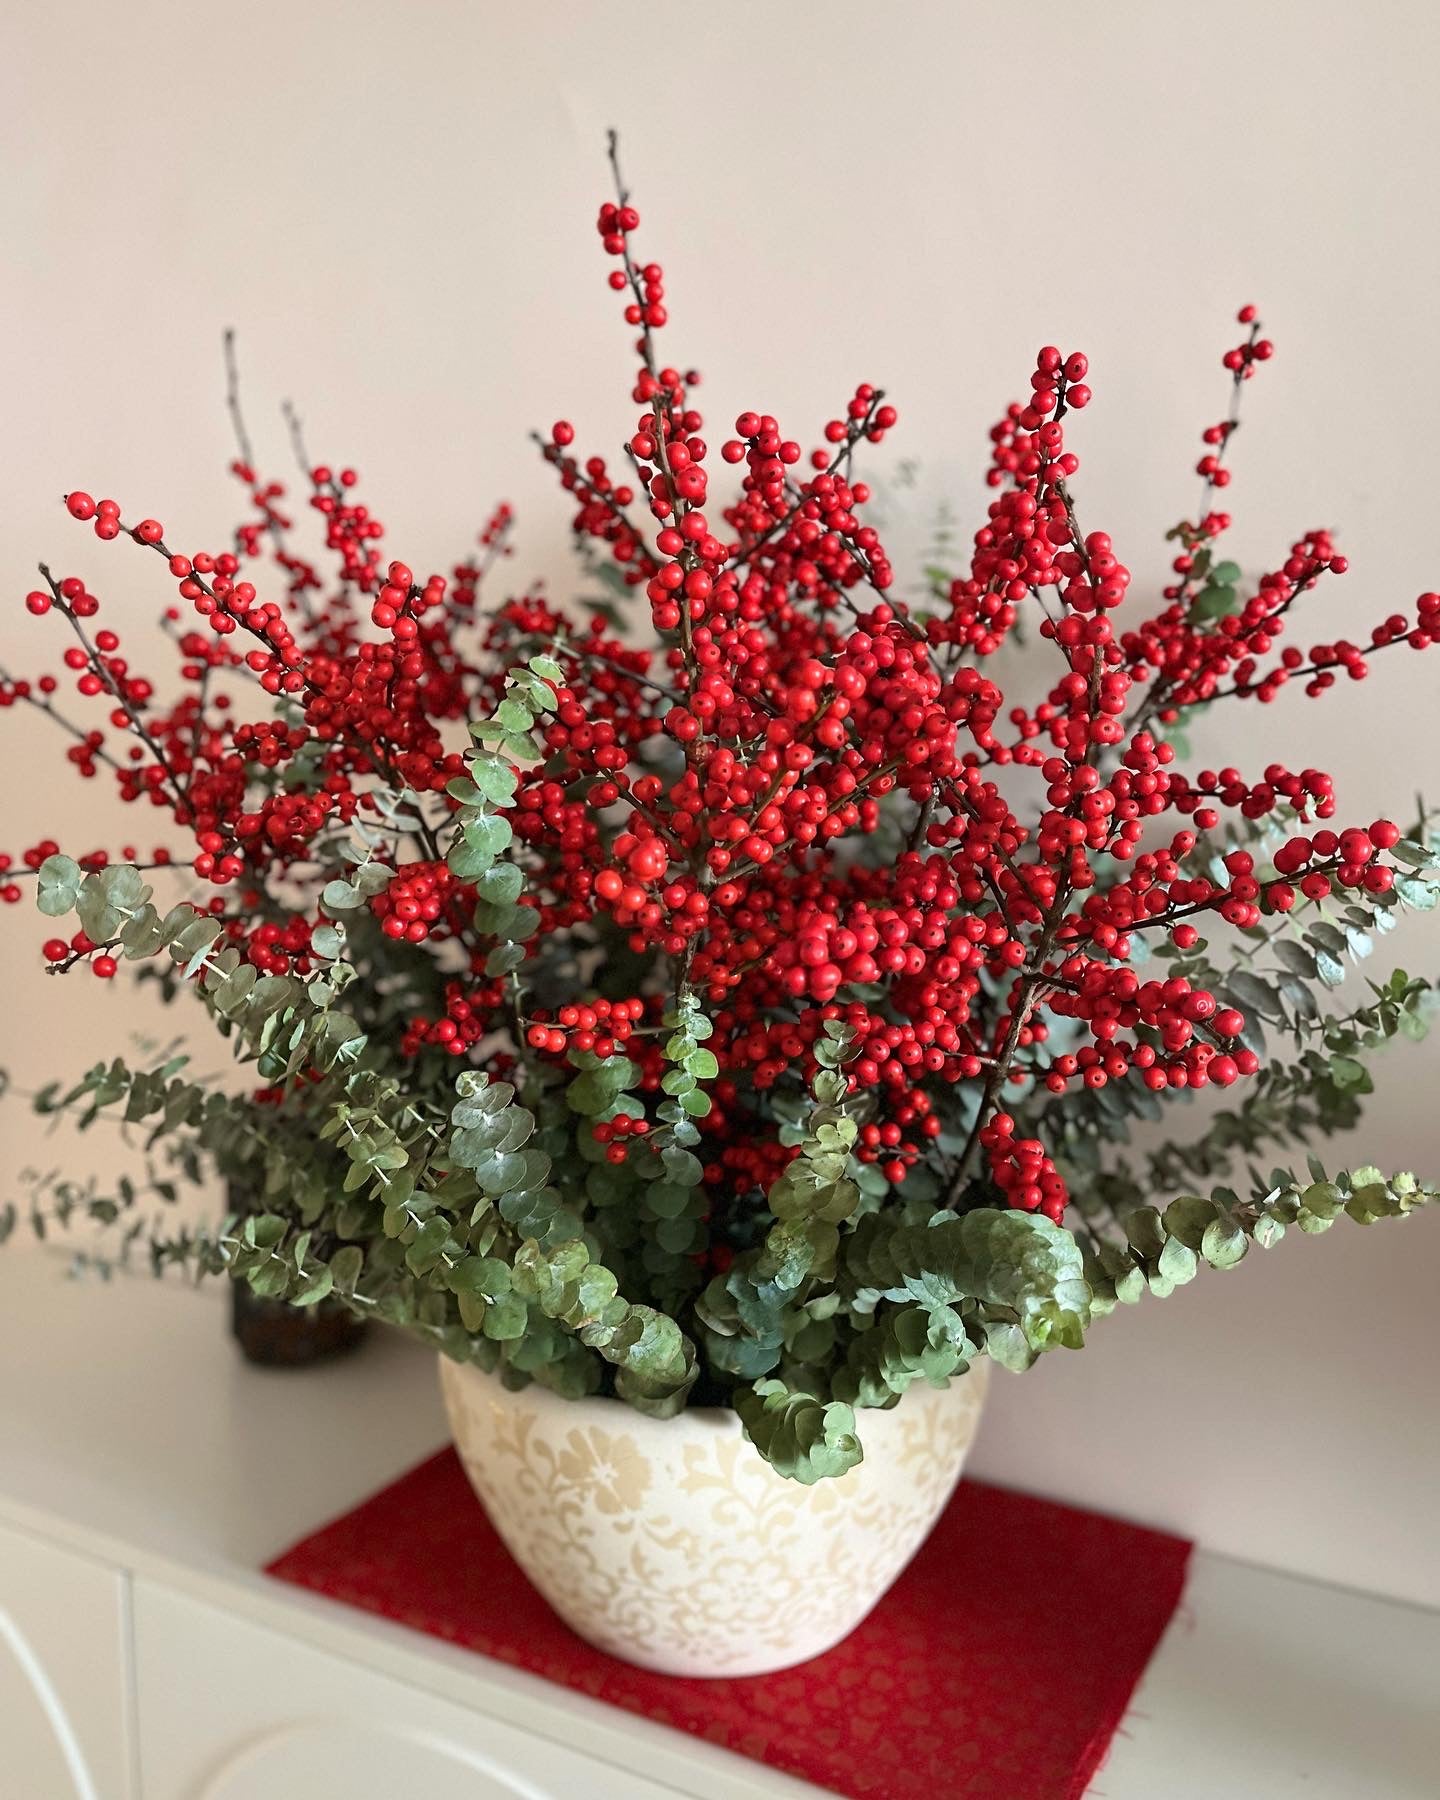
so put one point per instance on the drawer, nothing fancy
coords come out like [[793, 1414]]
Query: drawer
[[232, 1710], [64, 1725]]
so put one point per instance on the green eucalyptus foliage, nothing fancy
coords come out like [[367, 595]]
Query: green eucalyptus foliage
[[1012, 1281], [1163, 1250], [485, 1216], [799, 1435], [751, 1313]]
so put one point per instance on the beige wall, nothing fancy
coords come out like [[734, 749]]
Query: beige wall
[[394, 205]]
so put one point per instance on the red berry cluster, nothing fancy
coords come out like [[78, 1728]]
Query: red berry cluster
[[801, 807], [1021, 1170], [471, 1011], [615, 1134], [421, 900], [602, 1026]]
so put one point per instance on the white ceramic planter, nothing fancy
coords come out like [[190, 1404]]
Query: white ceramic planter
[[671, 1544]]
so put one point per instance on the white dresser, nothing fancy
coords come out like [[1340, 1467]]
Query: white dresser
[[146, 1475]]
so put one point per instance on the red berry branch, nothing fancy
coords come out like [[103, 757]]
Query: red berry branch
[[800, 808]]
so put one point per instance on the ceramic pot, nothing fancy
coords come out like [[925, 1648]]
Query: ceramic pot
[[671, 1544]]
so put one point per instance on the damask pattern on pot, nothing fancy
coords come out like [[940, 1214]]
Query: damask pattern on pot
[[671, 1544]]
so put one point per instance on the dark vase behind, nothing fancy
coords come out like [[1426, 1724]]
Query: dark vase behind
[[275, 1334]]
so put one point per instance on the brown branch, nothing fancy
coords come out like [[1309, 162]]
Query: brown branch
[[569, 466], [100, 669], [1025, 1000], [232, 401], [632, 274], [51, 712]]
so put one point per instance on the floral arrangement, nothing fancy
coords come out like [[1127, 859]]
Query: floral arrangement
[[757, 1010]]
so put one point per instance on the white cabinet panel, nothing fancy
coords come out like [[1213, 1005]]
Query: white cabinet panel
[[230, 1710], [63, 1695]]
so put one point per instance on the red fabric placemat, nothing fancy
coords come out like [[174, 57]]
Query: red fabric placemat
[[996, 1668]]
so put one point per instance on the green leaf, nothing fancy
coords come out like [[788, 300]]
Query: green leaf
[[503, 958], [1329, 968], [1177, 1262], [58, 885], [500, 885], [1345, 1072], [514, 715], [682, 1167], [143, 935], [1254, 995], [505, 1319], [428, 1245], [1188, 1217], [1296, 957], [233, 993], [1224, 1244], [345, 1267], [489, 835], [494, 777], [524, 923], [1422, 895], [1215, 601], [108, 899], [486, 1275], [1325, 936], [466, 861], [315, 1285]]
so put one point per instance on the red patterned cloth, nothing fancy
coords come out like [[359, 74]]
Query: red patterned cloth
[[996, 1668]]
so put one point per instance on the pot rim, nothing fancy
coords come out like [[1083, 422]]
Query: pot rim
[[715, 1417]]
